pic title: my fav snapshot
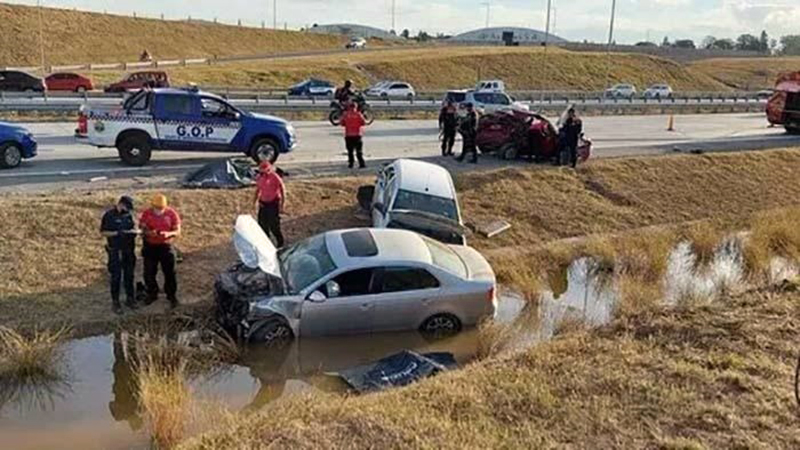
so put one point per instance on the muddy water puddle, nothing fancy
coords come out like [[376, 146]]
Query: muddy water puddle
[[95, 406]]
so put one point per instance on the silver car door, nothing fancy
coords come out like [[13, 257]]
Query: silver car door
[[404, 298], [348, 311]]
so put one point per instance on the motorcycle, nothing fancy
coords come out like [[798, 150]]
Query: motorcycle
[[337, 110]]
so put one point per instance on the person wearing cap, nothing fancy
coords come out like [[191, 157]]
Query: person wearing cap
[[160, 225], [119, 229], [571, 134], [353, 122], [448, 125], [270, 196], [469, 133]]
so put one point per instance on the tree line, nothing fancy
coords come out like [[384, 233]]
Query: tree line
[[786, 45]]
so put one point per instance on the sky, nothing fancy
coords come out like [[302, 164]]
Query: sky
[[636, 20]]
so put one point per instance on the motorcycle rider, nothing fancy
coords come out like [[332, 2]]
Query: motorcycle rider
[[469, 133], [570, 133], [345, 93], [448, 125]]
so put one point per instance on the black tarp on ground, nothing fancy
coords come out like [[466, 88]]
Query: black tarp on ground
[[231, 173], [399, 369]]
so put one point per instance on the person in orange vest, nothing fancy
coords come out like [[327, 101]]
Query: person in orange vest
[[270, 196], [353, 122], [160, 225]]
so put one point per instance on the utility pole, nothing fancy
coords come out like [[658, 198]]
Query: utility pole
[[488, 6], [274, 14], [611, 27], [546, 43], [41, 35], [394, 11]]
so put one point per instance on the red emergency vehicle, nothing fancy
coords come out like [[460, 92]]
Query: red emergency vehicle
[[784, 105]]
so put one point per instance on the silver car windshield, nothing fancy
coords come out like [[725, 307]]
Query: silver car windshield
[[415, 201], [305, 262], [445, 258]]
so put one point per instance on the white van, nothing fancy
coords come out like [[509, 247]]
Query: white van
[[418, 196], [491, 86]]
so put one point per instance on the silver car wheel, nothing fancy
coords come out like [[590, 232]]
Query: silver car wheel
[[12, 156], [265, 152], [440, 324]]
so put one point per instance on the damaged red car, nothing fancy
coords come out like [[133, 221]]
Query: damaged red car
[[515, 134]]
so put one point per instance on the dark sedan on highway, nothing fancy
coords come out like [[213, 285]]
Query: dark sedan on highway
[[313, 87]]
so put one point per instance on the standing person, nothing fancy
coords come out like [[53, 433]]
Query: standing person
[[571, 132], [120, 232], [353, 122], [448, 125], [469, 132], [160, 225], [270, 196]]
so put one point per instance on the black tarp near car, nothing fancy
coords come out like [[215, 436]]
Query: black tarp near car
[[231, 173]]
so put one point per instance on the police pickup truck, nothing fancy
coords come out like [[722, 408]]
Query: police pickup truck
[[183, 119]]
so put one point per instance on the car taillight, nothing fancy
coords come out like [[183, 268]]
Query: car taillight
[[83, 123], [490, 296]]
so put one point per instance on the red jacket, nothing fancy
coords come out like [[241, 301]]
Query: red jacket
[[353, 122]]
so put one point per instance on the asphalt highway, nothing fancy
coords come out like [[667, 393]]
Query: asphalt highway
[[62, 161]]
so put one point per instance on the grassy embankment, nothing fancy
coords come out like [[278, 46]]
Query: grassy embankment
[[77, 37], [56, 272], [453, 67], [746, 73]]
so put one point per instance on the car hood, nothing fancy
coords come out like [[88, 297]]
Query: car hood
[[477, 266], [268, 118], [12, 128], [420, 219], [254, 247]]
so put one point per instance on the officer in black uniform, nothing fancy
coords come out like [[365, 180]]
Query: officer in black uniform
[[448, 125], [119, 229], [469, 133]]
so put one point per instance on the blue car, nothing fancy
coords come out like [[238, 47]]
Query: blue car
[[16, 144], [313, 87], [184, 120]]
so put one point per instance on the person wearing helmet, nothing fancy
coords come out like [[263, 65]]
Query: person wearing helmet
[[161, 225], [119, 229], [270, 196], [345, 93]]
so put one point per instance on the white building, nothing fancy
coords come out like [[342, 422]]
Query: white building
[[352, 30], [498, 35]]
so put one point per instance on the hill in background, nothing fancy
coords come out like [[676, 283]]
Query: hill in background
[[72, 37]]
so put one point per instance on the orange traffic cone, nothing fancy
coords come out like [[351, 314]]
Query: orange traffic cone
[[671, 123]]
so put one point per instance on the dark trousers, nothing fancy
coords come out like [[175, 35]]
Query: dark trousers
[[469, 147], [355, 144], [121, 265], [573, 154], [164, 256], [269, 218], [448, 141]]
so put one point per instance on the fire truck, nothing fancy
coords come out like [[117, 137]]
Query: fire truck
[[784, 105]]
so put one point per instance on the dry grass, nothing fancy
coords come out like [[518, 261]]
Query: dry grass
[[709, 377], [29, 357], [746, 73], [773, 234], [543, 205], [705, 239], [438, 68], [165, 399], [82, 37]]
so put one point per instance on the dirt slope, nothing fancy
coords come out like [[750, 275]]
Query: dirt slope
[[746, 73], [82, 37], [440, 68]]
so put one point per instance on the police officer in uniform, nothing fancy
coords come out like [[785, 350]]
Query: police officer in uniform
[[448, 125], [469, 133], [119, 229]]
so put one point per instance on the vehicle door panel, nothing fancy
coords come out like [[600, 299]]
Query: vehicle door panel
[[351, 312], [407, 296], [220, 123], [178, 124]]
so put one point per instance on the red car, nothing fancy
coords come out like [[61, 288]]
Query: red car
[[140, 80], [511, 134], [65, 81]]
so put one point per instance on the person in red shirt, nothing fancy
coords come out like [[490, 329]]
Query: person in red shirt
[[160, 226], [353, 122], [270, 196]]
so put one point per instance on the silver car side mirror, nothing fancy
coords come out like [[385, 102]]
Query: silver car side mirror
[[317, 297], [333, 288]]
